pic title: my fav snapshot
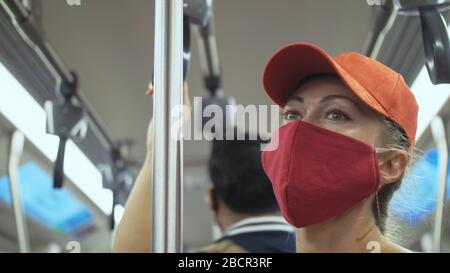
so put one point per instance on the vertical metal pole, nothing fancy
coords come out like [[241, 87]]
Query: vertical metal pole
[[15, 153], [440, 138], [167, 151]]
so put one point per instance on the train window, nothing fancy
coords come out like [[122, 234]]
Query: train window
[[6, 244], [55, 209], [31, 121], [76, 218], [87, 109], [416, 199], [414, 205], [429, 105]]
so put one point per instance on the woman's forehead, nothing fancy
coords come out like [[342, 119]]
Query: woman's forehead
[[323, 86], [318, 90]]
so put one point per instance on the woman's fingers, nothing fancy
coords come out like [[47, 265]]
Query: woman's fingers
[[149, 92], [186, 115], [186, 99]]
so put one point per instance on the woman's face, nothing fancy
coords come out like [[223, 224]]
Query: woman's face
[[326, 102]]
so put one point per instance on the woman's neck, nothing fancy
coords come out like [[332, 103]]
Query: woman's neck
[[353, 231]]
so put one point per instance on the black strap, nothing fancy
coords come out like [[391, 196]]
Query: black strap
[[58, 171], [186, 49], [436, 44], [186, 45]]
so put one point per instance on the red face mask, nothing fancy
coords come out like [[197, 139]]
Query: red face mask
[[317, 174]]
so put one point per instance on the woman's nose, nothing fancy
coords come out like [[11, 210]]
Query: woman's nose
[[309, 118]]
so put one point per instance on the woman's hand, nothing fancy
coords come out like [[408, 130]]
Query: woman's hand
[[186, 114], [134, 233]]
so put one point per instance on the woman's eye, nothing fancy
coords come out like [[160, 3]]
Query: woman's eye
[[337, 115], [291, 116]]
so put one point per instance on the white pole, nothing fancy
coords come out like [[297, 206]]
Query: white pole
[[168, 148], [440, 139], [15, 154]]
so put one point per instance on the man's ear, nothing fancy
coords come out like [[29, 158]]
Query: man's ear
[[392, 166]]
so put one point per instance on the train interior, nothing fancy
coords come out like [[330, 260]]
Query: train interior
[[110, 46]]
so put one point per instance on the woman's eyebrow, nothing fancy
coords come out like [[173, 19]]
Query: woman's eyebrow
[[332, 97], [296, 98], [324, 99]]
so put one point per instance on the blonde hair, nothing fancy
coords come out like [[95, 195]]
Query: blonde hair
[[393, 137]]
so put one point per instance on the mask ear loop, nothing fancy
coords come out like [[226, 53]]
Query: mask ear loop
[[380, 150], [384, 150]]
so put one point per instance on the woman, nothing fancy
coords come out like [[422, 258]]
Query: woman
[[350, 126], [330, 181]]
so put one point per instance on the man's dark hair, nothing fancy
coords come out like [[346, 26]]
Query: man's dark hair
[[238, 177]]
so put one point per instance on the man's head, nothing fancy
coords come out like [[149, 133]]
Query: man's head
[[240, 187]]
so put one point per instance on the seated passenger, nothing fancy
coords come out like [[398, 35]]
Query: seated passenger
[[243, 202]]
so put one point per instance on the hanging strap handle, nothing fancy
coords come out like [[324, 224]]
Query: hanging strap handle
[[58, 168], [436, 44]]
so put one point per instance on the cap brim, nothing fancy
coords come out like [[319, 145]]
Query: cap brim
[[291, 64]]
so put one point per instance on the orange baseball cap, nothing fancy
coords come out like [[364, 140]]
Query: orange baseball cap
[[379, 87]]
